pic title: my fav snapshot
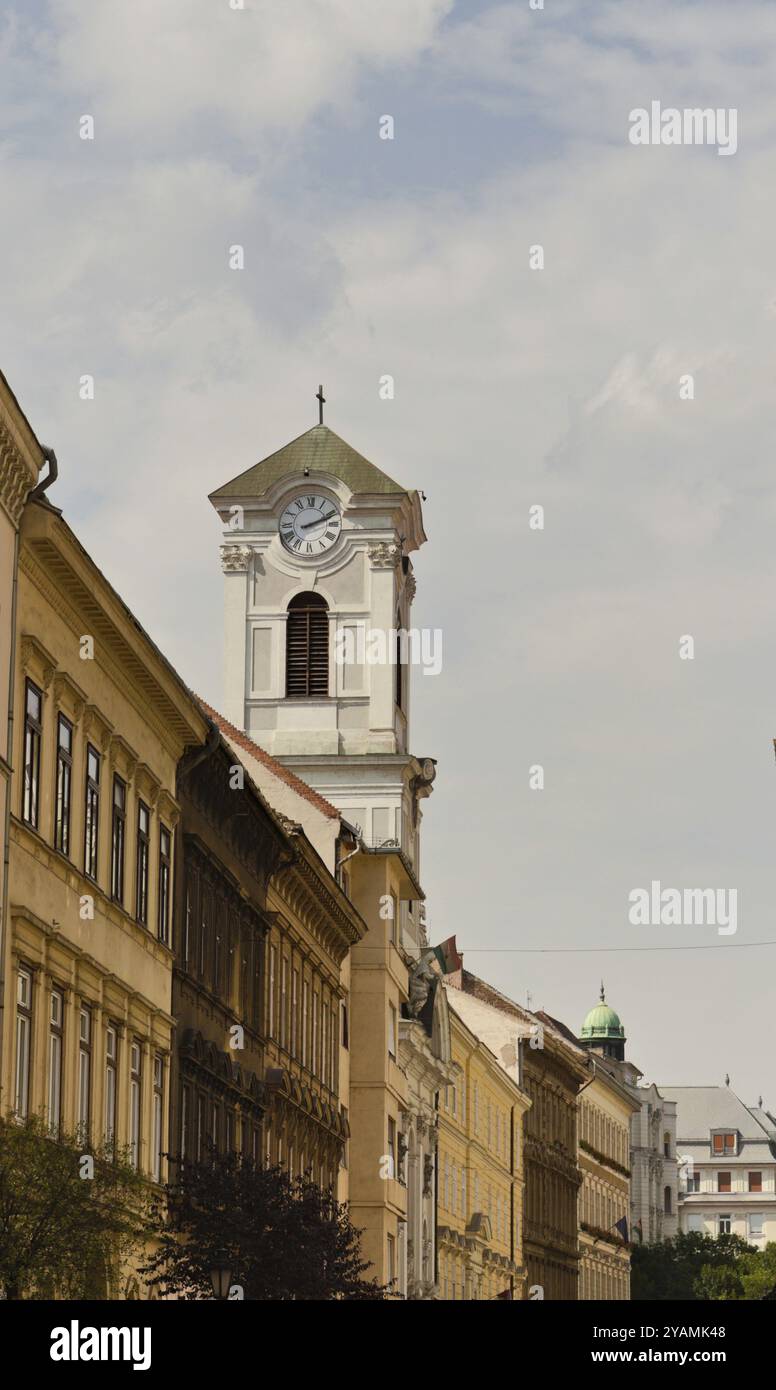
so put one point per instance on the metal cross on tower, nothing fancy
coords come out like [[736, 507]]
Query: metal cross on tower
[[321, 399]]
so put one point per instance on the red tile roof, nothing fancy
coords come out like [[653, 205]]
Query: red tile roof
[[277, 769]]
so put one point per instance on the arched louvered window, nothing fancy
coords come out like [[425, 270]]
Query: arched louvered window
[[307, 646]]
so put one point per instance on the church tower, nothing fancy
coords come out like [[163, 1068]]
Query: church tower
[[602, 1031], [318, 590]]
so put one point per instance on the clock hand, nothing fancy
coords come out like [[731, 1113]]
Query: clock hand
[[308, 526]]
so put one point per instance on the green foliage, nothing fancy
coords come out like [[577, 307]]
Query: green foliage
[[279, 1238], [61, 1233], [693, 1267]]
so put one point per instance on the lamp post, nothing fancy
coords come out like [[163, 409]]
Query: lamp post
[[221, 1279]]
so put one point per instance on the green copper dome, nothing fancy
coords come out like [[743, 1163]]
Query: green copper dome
[[602, 1023]]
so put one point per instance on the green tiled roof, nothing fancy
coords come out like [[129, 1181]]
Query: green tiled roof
[[320, 450]]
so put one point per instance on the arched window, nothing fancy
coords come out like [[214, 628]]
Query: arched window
[[667, 1201], [307, 646]]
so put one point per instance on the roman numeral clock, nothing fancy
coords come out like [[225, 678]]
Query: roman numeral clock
[[310, 525]]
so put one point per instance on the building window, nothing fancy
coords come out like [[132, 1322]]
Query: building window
[[33, 727], [307, 647], [476, 1108], [723, 1182], [294, 1012], [667, 1200], [141, 868], [84, 1073], [158, 1116], [324, 1042], [135, 1080], [64, 784], [755, 1223], [283, 1001], [666, 1145], [118, 838], [391, 1031], [724, 1225], [305, 1018], [755, 1182], [314, 1058], [185, 1121], [92, 816], [391, 1272], [273, 955], [693, 1182], [111, 1062], [23, 1041], [391, 1148], [724, 1143], [344, 1027], [200, 1133], [333, 1049], [56, 1024], [165, 844]]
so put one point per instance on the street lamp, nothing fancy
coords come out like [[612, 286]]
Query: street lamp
[[221, 1279]]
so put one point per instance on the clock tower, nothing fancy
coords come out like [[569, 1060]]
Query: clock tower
[[318, 590]]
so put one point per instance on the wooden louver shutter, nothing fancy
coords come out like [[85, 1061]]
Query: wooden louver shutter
[[307, 646]]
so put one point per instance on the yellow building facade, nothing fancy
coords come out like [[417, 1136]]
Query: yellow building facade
[[481, 1173], [605, 1110], [102, 723]]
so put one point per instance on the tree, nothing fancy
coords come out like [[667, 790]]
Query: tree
[[64, 1223], [690, 1267], [280, 1238]]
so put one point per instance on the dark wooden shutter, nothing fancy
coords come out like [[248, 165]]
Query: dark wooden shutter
[[307, 646]]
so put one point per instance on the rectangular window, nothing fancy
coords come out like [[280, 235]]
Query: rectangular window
[[305, 1018], [283, 1001], [135, 1079], [314, 1060], [33, 728], [141, 864], [694, 1182], [755, 1182], [324, 1043], [391, 1031], [185, 1121], [294, 1012], [723, 1182], [64, 784], [724, 1143], [92, 815], [111, 1062], [118, 838], [84, 1073], [391, 1148], [755, 1223], [333, 1049], [344, 1029], [56, 1024], [23, 1041], [724, 1225], [271, 998], [165, 848], [200, 1135], [391, 1272], [158, 1116]]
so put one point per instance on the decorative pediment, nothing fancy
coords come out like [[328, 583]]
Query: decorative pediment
[[37, 662]]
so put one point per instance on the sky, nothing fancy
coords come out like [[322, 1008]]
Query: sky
[[514, 388]]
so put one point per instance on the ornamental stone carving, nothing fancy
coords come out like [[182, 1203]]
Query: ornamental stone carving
[[384, 555], [235, 558], [15, 477]]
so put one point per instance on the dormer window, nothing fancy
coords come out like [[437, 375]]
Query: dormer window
[[724, 1142], [307, 647]]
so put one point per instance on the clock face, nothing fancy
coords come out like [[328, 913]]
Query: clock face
[[310, 525]]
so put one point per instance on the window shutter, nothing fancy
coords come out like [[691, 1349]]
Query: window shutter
[[307, 647]]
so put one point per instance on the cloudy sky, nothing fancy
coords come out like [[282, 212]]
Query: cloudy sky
[[514, 387]]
